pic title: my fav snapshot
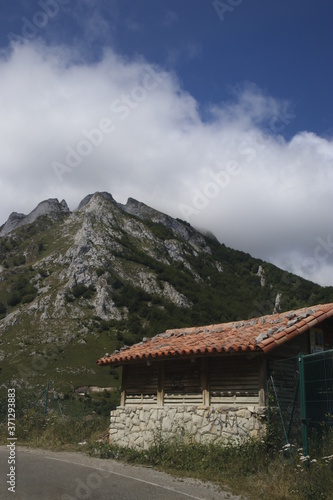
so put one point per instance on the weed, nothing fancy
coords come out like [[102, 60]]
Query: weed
[[250, 468], [54, 431]]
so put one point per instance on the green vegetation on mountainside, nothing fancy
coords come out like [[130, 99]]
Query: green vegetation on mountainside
[[92, 281]]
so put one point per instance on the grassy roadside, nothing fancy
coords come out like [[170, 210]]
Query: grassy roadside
[[74, 420], [56, 433], [255, 469]]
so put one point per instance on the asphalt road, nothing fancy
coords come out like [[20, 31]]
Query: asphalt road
[[46, 475]]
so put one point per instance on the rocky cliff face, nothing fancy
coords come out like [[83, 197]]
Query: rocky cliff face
[[50, 207], [77, 284]]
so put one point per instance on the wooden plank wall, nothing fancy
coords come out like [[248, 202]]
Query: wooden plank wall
[[183, 383], [234, 380], [219, 381], [141, 384]]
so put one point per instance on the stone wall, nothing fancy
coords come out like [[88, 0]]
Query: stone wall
[[139, 426]]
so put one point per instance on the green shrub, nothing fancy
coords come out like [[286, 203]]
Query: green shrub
[[14, 299], [26, 299], [100, 271], [69, 297], [19, 260], [83, 291]]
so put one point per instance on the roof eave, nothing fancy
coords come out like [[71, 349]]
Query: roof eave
[[272, 343], [208, 353]]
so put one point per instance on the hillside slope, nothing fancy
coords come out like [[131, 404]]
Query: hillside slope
[[75, 285]]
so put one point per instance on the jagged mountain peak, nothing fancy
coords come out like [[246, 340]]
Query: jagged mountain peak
[[107, 196], [180, 227], [52, 207], [138, 208], [146, 213], [143, 211], [108, 274], [48, 207]]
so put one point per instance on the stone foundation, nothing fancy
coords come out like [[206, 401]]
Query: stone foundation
[[140, 426]]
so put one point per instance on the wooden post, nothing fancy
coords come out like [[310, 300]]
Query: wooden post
[[160, 388], [205, 382], [262, 380], [123, 387]]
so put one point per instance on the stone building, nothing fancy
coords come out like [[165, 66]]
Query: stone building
[[209, 383]]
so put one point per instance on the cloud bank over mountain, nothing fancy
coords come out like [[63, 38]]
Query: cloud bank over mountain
[[123, 125]]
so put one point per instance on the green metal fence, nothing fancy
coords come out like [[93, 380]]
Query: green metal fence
[[284, 398], [301, 388], [316, 386]]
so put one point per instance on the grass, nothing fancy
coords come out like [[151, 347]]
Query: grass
[[80, 421], [64, 364], [252, 469], [255, 469]]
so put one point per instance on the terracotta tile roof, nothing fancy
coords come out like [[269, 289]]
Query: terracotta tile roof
[[261, 334]]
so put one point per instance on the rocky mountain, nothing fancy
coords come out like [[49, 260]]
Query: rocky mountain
[[75, 285], [48, 207]]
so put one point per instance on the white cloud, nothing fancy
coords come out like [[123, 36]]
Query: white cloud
[[233, 174]]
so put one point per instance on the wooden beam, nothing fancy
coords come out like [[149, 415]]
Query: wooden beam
[[160, 387]]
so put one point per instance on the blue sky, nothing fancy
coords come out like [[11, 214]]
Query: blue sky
[[285, 47], [227, 123]]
